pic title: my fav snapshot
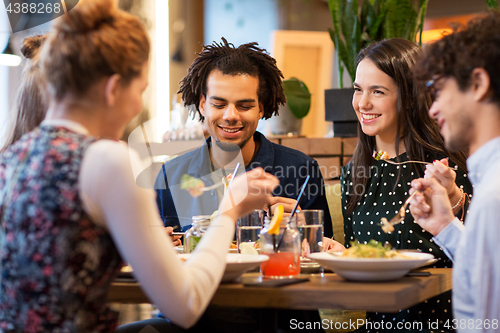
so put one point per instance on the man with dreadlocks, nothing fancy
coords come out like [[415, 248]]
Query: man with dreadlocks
[[231, 89]]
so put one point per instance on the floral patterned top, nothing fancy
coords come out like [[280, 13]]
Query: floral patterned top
[[57, 264]]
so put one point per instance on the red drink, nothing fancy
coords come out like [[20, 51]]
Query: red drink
[[281, 264]]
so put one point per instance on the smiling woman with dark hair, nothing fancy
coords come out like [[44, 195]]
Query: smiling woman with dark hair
[[392, 109]]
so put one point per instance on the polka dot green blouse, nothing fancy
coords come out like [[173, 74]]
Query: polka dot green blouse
[[383, 197]]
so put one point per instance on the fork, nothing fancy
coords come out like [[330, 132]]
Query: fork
[[421, 162], [214, 186], [400, 216], [211, 187], [196, 191]]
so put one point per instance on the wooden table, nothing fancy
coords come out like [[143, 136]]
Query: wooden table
[[323, 291]]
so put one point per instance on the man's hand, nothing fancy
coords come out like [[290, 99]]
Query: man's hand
[[446, 177], [175, 239], [287, 203], [431, 207]]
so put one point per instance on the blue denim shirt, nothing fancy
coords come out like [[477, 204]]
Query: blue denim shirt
[[290, 166]]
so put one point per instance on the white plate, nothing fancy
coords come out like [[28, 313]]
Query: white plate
[[237, 264], [430, 262], [180, 249], [371, 269]]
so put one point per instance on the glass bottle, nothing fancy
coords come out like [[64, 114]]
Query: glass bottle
[[193, 235], [283, 250]]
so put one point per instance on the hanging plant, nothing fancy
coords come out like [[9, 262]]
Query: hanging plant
[[298, 97]]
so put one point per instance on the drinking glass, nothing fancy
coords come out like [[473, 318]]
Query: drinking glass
[[249, 228], [283, 250], [310, 223]]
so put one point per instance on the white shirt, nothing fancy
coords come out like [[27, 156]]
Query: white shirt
[[111, 197], [475, 247]]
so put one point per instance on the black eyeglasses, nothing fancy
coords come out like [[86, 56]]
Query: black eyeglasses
[[430, 83], [431, 86]]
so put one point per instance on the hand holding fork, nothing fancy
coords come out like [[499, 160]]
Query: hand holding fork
[[196, 186], [388, 226]]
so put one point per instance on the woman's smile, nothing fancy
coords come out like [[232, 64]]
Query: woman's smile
[[368, 118]]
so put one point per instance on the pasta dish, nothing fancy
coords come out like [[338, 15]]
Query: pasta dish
[[371, 250]]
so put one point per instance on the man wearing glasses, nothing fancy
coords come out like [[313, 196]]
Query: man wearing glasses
[[464, 70]]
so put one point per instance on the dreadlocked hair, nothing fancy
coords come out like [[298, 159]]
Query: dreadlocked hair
[[245, 59]]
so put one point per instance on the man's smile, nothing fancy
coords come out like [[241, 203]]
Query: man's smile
[[230, 129]]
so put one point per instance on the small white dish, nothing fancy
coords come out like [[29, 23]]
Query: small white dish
[[237, 264], [308, 266], [249, 248], [371, 269], [179, 249]]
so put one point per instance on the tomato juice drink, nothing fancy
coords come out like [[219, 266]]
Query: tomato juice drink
[[281, 264]]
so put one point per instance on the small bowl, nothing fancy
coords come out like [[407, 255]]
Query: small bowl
[[309, 267], [237, 264]]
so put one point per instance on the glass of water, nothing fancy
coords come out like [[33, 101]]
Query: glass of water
[[310, 224], [248, 230]]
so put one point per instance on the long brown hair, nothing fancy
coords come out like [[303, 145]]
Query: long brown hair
[[93, 41], [30, 107], [420, 134]]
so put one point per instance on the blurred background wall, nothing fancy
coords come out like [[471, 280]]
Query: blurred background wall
[[191, 22]]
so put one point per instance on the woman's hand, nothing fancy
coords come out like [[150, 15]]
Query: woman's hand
[[249, 191], [332, 245], [329, 245], [445, 177]]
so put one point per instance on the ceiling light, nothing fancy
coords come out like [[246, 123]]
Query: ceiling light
[[8, 57]]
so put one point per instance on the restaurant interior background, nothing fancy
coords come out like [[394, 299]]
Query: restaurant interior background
[[177, 27]]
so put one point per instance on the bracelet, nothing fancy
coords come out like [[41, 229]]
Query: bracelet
[[459, 201]]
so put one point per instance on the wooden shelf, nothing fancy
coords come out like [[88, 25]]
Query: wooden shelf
[[330, 153]]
